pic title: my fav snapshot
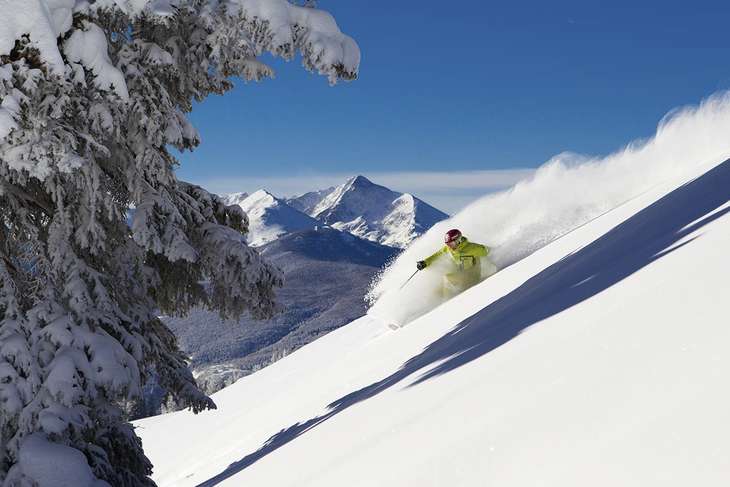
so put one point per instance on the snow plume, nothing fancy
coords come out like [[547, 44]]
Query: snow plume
[[566, 192]]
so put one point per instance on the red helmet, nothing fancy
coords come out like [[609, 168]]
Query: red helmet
[[452, 236]]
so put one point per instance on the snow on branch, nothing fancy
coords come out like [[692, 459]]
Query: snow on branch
[[97, 235], [88, 47], [276, 26], [281, 28]]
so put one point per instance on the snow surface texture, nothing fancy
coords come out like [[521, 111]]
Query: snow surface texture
[[566, 192], [52, 465], [370, 211], [599, 360]]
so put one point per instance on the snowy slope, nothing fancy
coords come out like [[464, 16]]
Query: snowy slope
[[600, 359], [370, 211], [269, 217]]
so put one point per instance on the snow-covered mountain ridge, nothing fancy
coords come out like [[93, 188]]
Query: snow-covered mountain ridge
[[359, 207], [370, 211], [269, 217], [597, 360]]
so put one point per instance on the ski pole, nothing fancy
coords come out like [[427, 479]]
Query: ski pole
[[409, 280]]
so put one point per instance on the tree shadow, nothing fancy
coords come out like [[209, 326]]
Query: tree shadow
[[651, 234]]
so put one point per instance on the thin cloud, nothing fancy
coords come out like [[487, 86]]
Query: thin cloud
[[446, 181], [448, 191]]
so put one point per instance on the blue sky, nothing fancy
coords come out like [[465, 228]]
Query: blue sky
[[481, 90]]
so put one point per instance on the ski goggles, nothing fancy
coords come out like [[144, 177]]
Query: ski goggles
[[454, 242]]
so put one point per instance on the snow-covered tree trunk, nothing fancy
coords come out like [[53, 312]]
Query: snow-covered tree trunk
[[92, 95]]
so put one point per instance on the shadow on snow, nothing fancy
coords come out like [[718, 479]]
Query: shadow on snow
[[645, 237]]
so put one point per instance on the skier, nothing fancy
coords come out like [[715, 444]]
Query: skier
[[466, 255]]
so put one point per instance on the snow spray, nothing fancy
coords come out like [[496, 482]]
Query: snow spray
[[563, 194]]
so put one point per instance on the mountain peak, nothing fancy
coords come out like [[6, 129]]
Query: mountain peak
[[269, 217], [370, 211], [261, 193], [359, 181]]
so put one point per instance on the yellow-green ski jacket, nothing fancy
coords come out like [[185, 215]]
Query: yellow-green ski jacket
[[466, 255]]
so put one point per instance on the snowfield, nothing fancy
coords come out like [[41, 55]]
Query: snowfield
[[599, 359]]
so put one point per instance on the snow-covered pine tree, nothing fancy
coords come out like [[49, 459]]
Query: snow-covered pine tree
[[92, 96]]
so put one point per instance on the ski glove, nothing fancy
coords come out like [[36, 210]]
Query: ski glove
[[420, 265]]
